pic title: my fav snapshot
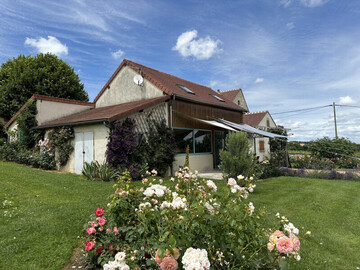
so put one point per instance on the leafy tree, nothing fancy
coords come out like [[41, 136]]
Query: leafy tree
[[332, 148], [43, 74], [237, 158]]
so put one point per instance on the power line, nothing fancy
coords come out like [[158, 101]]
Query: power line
[[352, 106], [306, 109]]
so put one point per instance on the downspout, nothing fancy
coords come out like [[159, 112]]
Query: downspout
[[171, 113], [171, 126]]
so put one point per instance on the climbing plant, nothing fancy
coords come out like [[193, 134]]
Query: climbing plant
[[26, 122], [60, 140]]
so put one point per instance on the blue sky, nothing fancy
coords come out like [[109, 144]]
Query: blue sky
[[284, 54]]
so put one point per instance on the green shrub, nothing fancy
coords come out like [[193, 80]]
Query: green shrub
[[237, 157], [99, 172], [16, 152], [160, 147], [332, 148], [155, 221]]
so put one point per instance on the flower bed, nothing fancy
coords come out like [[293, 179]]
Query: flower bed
[[187, 224]]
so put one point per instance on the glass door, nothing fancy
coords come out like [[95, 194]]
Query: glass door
[[219, 141]]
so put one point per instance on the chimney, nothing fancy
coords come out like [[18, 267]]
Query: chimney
[[218, 91]]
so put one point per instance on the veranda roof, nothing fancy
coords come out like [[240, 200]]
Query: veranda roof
[[249, 129]]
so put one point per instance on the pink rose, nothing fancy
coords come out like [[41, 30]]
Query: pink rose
[[90, 230], [102, 222], [154, 201], [276, 236], [124, 193], [270, 246], [176, 187], [285, 245], [90, 245], [169, 263], [296, 243], [93, 224], [141, 189], [99, 212], [108, 230], [116, 231]]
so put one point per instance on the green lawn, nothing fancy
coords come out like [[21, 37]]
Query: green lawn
[[329, 209], [49, 210]]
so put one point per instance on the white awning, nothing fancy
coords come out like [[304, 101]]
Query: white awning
[[216, 124], [249, 129]]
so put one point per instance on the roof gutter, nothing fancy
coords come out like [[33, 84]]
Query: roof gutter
[[209, 103], [73, 123]]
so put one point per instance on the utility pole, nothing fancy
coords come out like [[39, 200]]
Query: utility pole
[[336, 135]]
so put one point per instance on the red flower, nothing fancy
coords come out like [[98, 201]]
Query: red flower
[[99, 212], [90, 245], [99, 250]]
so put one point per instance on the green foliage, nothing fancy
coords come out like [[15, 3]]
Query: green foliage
[[153, 221], [160, 147], [187, 162], [99, 172], [278, 148], [16, 152], [43, 74], [26, 121], [332, 148], [237, 157], [266, 169], [60, 140]]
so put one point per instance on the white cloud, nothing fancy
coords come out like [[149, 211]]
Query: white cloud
[[285, 3], [306, 3], [49, 45], [118, 54], [201, 48], [347, 100], [313, 3], [290, 25], [213, 84], [259, 80]]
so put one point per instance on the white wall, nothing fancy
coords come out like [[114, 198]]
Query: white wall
[[123, 89], [201, 163], [51, 110], [101, 134], [263, 122], [261, 154]]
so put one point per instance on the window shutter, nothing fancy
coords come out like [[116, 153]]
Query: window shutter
[[261, 146]]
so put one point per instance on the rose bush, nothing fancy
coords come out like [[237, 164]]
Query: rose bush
[[188, 224]]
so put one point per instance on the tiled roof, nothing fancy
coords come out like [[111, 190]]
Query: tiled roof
[[108, 113], [254, 119], [47, 98], [62, 100], [230, 94], [168, 83]]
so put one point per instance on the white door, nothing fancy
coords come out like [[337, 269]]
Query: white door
[[88, 147], [79, 149], [84, 150]]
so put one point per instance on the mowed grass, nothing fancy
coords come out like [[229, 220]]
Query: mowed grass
[[329, 209], [46, 213], [51, 209]]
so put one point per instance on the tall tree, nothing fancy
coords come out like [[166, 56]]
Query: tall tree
[[43, 74]]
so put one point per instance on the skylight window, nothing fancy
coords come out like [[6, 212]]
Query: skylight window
[[218, 98], [187, 90]]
